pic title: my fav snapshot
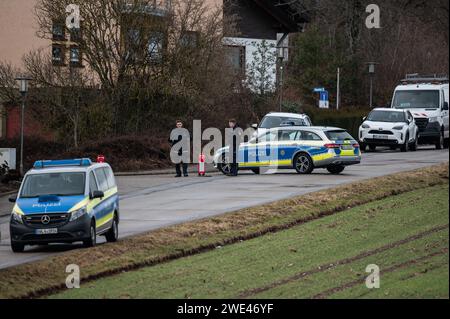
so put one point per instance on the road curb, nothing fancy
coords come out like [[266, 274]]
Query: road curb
[[169, 171]]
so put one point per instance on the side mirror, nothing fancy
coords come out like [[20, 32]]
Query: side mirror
[[255, 126], [12, 199], [97, 194], [445, 108]]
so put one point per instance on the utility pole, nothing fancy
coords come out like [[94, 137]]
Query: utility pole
[[23, 89], [281, 86], [338, 93]]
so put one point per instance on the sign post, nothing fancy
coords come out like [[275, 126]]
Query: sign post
[[324, 102]]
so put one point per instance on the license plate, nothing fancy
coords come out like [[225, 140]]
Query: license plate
[[381, 137], [47, 231], [347, 147]]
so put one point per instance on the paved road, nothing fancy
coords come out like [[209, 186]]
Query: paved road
[[151, 202]]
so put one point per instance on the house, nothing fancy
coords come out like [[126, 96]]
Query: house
[[257, 22]]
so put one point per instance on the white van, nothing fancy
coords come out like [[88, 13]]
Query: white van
[[426, 97]]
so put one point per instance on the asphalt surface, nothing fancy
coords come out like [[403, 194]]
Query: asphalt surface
[[156, 201]]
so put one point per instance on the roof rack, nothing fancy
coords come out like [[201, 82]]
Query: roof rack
[[418, 78]]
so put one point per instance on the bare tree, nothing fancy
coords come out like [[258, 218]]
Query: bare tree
[[137, 51]]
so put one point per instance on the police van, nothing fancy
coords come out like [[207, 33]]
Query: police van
[[65, 201]]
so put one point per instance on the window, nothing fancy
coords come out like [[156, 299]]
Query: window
[[110, 177], [58, 184], [75, 35], [308, 136], [57, 55], [236, 56], [189, 39], [276, 121], [338, 136], [287, 135], [58, 31], [102, 179], [75, 56], [155, 46], [92, 183], [386, 116], [416, 99]]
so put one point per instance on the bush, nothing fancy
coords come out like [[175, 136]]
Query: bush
[[127, 153], [349, 119]]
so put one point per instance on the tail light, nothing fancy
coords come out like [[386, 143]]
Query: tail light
[[332, 146], [356, 145]]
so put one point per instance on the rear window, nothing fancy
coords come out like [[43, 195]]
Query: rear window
[[277, 121], [340, 135]]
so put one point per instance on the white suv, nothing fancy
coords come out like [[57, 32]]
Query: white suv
[[274, 120], [389, 127]]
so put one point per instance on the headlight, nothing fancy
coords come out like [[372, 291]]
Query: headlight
[[17, 217], [365, 125], [433, 119], [399, 128], [78, 213]]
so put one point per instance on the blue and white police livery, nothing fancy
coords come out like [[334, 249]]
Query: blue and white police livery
[[65, 201], [301, 148]]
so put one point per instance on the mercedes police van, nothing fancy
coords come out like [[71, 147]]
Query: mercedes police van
[[426, 97], [65, 201]]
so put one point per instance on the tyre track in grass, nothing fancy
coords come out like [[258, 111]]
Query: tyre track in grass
[[362, 279], [346, 261]]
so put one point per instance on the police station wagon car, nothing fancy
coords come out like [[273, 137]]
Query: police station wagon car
[[301, 148], [65, 201]]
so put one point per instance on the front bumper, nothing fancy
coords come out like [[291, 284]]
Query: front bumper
[[78, 230], [393, 138]]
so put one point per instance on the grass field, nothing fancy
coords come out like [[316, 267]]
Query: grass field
[[406, 235]]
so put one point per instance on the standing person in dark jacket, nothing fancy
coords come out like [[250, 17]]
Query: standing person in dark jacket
[[174, 140], [235, 141]]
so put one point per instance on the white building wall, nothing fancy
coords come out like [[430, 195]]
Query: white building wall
[[251, 46]]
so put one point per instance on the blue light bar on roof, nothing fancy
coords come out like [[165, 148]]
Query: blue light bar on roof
[[69, 162]]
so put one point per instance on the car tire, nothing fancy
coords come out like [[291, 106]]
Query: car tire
[[446, 143], [405, 147], [372, 148], [363, 147], [257, 171], [303, 164], [113, 234], [414, 145], [224, 167], [92, 241], [440, 142], [17, 247], [335, 169]]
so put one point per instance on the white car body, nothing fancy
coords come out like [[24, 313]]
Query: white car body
[[430, 114], [271, 120], [391, 133]]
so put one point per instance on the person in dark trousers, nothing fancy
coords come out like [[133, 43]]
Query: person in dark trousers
[[179, 125], [234, 148]]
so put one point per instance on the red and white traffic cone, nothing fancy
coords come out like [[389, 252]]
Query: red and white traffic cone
[[201, 165]]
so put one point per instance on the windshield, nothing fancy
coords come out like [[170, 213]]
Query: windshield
[[338, 136], [60, 184], [277, 121], [416, 99], [386, 116]]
